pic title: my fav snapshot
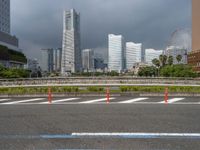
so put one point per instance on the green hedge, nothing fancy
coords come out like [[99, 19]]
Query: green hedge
[[44, 90], [37, 90], [160, 89], [95, 89]]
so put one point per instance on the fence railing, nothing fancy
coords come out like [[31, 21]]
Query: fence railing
[[98, 80]]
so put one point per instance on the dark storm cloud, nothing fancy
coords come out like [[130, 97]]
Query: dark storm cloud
[[38, 23]]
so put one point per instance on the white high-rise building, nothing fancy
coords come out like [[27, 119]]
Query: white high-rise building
[[151, 54], [116, 53], [71, 49], [5, 16], [88, 60], [133, 54]]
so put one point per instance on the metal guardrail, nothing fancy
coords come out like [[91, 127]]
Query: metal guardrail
[[100, 85], [97, 80]]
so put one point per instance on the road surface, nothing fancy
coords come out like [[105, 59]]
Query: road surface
[[141, 123]]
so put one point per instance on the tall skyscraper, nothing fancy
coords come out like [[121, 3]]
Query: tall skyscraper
[[116, 53], [71, 45], [151, 54], [88, 59], [6, 39], [133, 54], [5, 16]]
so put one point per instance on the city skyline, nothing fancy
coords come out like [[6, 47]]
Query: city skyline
[[47, 31]]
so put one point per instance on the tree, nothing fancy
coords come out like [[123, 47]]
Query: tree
[[163, 60], [148, 71], [2, 67], [179, 58], [113, 73], [170, 60], [178, 71], [156, 62]]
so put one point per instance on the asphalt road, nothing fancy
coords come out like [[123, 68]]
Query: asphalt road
[[51, 127]]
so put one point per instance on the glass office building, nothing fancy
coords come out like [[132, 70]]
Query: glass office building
[[5, 16]]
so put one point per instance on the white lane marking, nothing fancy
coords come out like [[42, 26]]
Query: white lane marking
[[113, 103], [1, 100], [96, 100], [190, 136], [173, 100], [133, 100], [61, 100], [24, 101], [139, 135]]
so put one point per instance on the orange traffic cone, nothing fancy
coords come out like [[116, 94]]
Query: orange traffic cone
[[49, 95], [108, 95], [166, 96]]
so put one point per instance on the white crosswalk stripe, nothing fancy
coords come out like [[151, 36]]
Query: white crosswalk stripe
[[96, 100], [173, 100], [118, 100], [61, 100], [2, 100], [24, 101], [133, 100]]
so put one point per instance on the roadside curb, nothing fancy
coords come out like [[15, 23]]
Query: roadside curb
[[101, 95]]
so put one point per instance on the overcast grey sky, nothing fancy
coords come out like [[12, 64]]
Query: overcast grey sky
[[38, 23]]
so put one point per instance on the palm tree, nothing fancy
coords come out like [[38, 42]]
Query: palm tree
[[156, 62], [170, 60], [163, 60], [179, 58]]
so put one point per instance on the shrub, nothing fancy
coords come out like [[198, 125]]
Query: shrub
[[159, 89], [95, 89], [178, 71]]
